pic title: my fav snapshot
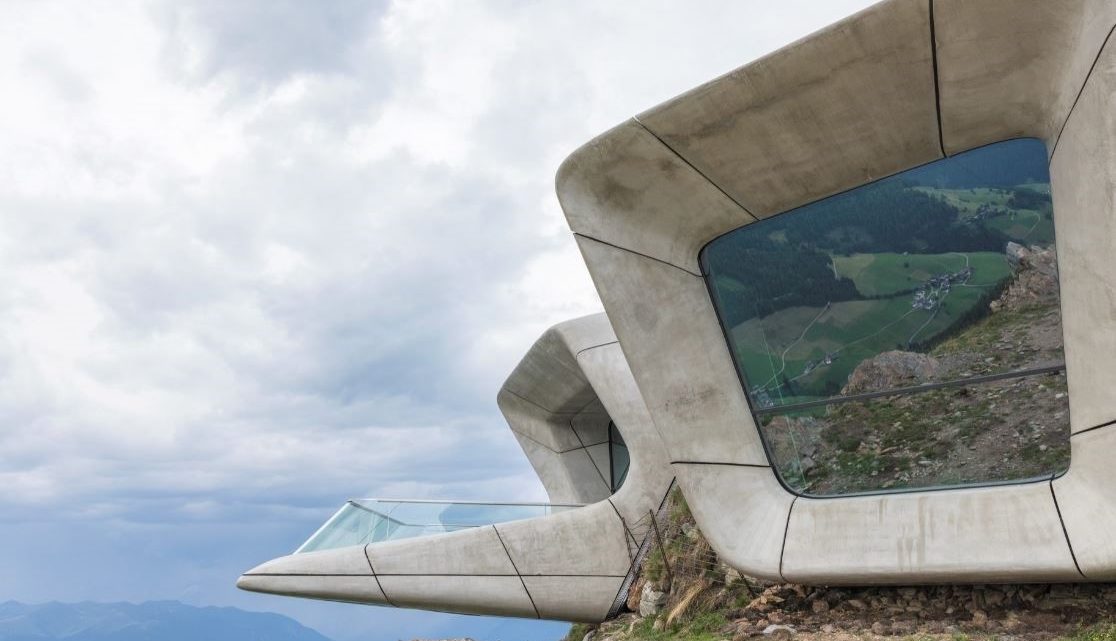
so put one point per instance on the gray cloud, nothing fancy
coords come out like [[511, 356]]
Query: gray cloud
[[262, 257], [265, 41]]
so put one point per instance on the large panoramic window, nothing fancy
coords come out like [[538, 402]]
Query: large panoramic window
[[906, 333]]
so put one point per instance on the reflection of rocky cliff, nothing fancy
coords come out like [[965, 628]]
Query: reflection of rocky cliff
[[1008, 429], [1036, 281], [891, 370]]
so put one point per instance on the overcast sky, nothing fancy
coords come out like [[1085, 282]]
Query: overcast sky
[[260, 256]]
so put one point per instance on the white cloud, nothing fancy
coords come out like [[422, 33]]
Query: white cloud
[[259, 257]]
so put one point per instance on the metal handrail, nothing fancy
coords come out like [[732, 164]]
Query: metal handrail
[[392, 513], [462, 502], [641, 553], [913, 389]]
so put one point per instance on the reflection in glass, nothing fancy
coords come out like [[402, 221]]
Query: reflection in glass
[[937, 275], [1005, 430], [618, 457], [363, 521]]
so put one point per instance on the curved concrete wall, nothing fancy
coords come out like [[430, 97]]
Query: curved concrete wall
[[567, 566], [898, 85]]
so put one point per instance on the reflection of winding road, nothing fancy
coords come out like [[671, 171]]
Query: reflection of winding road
[[861, 339], [783, 356], [1038, 219], [937, 308]]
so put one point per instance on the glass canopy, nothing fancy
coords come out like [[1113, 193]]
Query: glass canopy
[[363, 521]]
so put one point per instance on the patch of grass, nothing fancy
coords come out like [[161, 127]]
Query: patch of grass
[[775, 351], [679, 510], [886, 274], [653, 567], [577, 632], [1105, 632], [706, 626], [967, 201]]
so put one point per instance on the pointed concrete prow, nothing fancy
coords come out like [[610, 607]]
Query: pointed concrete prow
[[342, 574]]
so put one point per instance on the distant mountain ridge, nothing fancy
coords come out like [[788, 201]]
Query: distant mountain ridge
[[149, 621]]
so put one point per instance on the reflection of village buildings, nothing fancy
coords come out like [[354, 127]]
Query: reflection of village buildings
[[930, 294], [823, 361], [927, 296]]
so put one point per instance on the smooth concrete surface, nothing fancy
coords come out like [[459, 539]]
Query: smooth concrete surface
[[847, 105], [351, 589], [649, 472], [1087, 498], [547, 427], [1027, 62], [473, 551], [1083, 179], [627, 170], [840, 108], [978, 535], [591, 425], [599, 455], [582, 599], [589, 541], [571, 476], [682, 365], [549, 377], [493, 595], [742, 511]]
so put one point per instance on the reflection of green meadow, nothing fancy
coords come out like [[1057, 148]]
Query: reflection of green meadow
[[1027, 226], [887, 274], [775, 350]]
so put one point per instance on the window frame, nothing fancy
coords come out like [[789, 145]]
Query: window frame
[[758, 413]]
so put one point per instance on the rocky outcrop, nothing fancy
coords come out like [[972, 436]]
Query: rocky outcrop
[[890, 370], [1036, 279], [706, 599]]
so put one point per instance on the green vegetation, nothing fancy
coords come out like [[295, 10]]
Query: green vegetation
[[1106, 632], [890, 274], [785, 352], [1022, 213], [705, 626], [578, 631], [903, 263]]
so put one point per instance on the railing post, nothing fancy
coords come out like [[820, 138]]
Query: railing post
[[662, 548]]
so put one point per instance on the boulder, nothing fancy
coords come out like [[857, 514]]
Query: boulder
[[651, 601], [890, 370]]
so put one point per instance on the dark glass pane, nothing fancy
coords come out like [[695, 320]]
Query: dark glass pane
[[1011, 429], [619, 460], [943, 272]]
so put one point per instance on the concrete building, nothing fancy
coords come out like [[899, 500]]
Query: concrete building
[[892, 91], [574, 407]]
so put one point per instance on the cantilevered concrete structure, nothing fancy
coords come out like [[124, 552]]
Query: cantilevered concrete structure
[[897, 86], [568, 565]]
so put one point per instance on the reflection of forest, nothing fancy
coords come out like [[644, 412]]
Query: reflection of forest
[[904, 263], [942, 274]]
